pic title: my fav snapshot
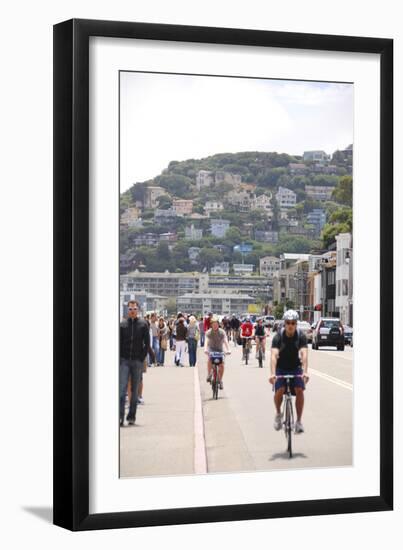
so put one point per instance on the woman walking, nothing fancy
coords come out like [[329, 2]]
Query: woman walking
[[163, 332], [193, 336], [201, 332], [171, 327]]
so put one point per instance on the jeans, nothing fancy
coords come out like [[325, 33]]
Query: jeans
[[180, 351], [202, 339], [129, 369], [192, 348], [156, 345], [161, 356]]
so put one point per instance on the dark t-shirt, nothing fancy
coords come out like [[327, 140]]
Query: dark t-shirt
[[288, 359], [259, 330]]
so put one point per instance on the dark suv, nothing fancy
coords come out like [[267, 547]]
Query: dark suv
[[328, 332]]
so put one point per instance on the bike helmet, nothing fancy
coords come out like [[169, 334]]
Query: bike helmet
[[290, 315]]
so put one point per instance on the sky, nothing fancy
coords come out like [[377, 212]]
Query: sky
[[165, 117]]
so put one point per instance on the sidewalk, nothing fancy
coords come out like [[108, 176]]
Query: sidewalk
[[162, 441]]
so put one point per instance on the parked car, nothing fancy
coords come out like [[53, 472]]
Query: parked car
[[328, 332], [348, 335], [305, 327]]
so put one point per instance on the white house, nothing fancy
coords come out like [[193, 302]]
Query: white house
[[193, 234], [286, 198], [221, 268], [268, 265], [219, 228], [318, 156], [344, 279], [262, 202], [213, 206], [204, 178]]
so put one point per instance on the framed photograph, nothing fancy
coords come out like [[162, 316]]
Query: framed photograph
[[223, 274]]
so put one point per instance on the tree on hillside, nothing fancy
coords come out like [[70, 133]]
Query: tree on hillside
[[342, 215], [324, 180], [343, 193], [209, 256], [164, 202], [177, 185], [330, 231]]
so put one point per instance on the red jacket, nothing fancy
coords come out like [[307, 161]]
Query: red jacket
[[206, 323], [246, 329]]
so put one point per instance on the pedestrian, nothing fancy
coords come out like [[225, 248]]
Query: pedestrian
[[155, 342], [181, 335], [134, 344], [192, 338], [171, 325], [201, 331], [207, 321], [163, 341]]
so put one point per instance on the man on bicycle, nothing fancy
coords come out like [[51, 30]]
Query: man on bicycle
[[289, 355], [260, 337], [216, 340], [235, 324], [246, 333]]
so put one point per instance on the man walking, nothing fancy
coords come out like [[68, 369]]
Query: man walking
[[134, 345]]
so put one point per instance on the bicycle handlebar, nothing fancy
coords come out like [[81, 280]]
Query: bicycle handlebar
[[288, 376]]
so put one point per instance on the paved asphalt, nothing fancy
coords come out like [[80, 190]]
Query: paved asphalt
[[238, 427]]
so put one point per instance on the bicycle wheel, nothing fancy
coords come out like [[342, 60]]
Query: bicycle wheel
[[260, 358], [246, 355], [288, 426]]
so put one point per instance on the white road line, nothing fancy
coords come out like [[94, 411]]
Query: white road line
[[200, 456], [332, 379]]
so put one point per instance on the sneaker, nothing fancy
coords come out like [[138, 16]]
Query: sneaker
[[299, 428], [209, 378], [221, 386], [131, 422], [122, 423], [140, 401], [278, 420]]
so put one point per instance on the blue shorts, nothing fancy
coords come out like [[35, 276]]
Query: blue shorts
[[294, 382]]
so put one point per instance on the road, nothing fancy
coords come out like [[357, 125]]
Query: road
[[181, 430]]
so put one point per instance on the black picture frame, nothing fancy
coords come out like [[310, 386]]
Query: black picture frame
[[71, 274]]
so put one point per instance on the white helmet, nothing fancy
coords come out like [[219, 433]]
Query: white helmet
[[290, 315]]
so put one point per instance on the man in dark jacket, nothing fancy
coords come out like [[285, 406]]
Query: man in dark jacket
[[134, 345]]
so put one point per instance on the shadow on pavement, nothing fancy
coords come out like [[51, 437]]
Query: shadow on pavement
[[42, 512], [284, 455]]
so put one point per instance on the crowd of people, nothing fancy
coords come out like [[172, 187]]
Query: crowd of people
[[144, 341]]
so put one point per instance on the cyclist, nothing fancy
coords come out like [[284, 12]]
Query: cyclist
[[216, 340], [246, 332], [235, 324], [289, 355], [260, 337]]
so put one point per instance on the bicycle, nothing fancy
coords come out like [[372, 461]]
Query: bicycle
[[247, 348], [288, 410], [217, 359]]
